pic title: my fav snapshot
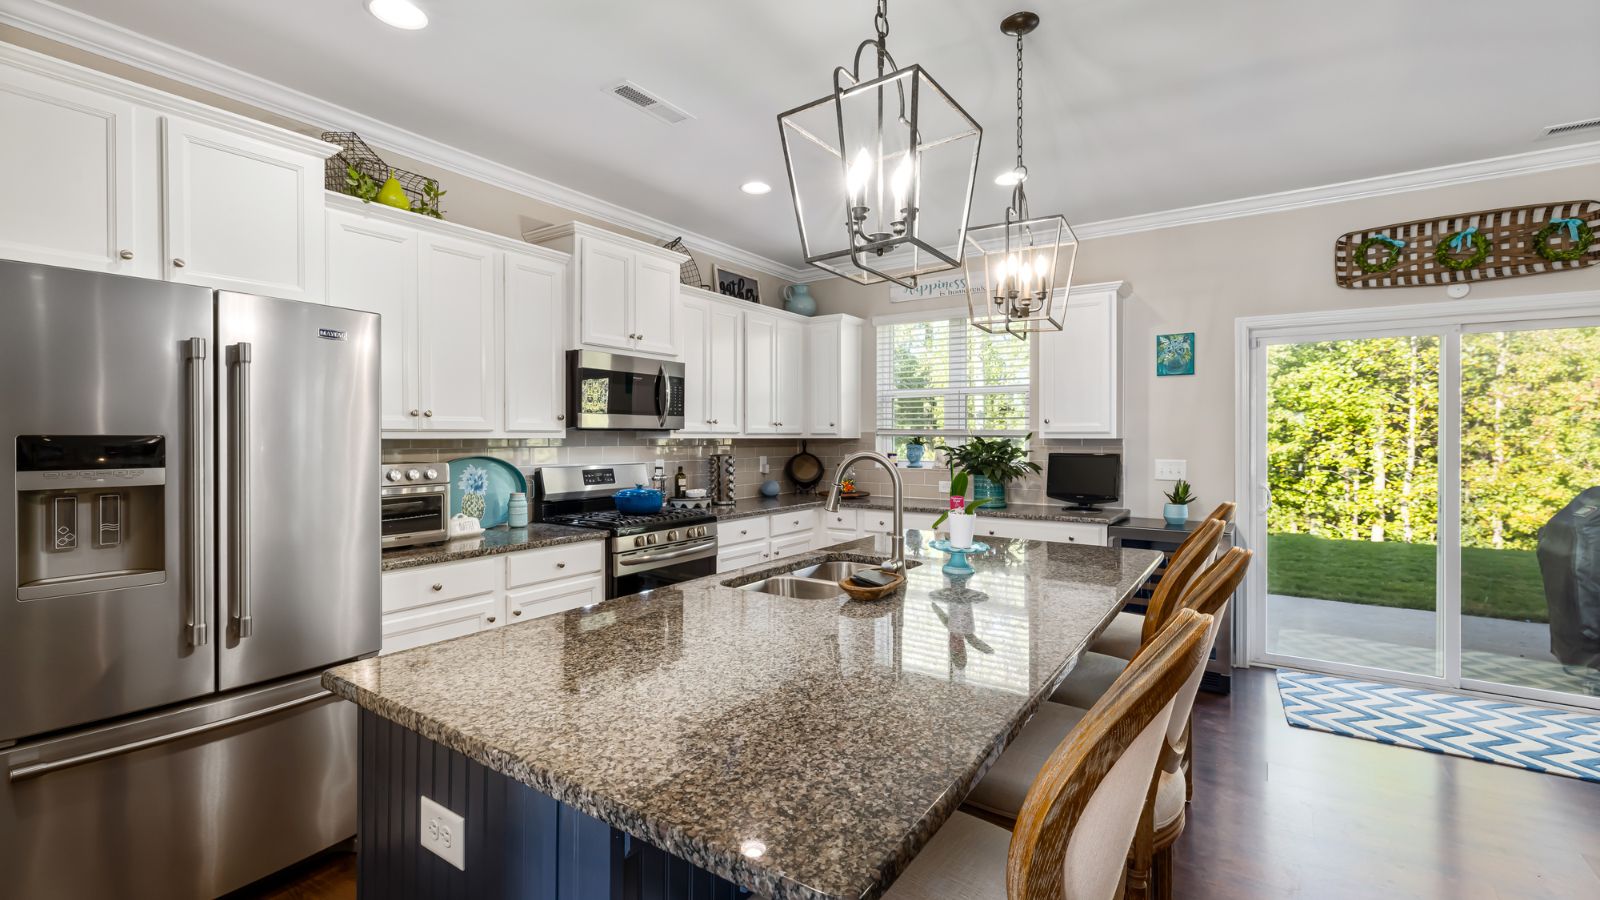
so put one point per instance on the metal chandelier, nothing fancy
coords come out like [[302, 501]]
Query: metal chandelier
[[881, 170], [1015, 268]]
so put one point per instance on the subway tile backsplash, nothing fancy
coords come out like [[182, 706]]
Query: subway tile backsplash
[[923, 484]]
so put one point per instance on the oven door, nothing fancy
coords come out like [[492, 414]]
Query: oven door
[[636, 571], [609, 391], [412, 516]]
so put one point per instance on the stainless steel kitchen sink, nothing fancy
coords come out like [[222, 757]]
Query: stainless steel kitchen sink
[[797, 588], [833, 570]]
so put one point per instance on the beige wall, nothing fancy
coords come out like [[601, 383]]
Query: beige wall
[[469, 202], [1201, 278]]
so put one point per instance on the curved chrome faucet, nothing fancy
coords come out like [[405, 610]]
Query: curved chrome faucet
[[897, 559]]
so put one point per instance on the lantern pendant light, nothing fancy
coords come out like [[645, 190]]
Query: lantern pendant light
[[881, 170], [1015, 268]]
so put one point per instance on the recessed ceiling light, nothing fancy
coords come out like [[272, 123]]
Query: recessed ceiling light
[[755, 187], [400, 13], [1011, 177]]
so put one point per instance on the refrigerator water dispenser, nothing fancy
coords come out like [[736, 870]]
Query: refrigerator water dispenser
[[90, 513]]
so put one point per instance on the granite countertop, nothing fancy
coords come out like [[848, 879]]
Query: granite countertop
[[800, 748], [501, 539], [1053, 512]]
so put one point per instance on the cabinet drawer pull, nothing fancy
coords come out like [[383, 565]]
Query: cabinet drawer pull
[[561, 565], [178, 263], [427, 413], [126, 254], [437, 586], [516, 612], [489, 619]]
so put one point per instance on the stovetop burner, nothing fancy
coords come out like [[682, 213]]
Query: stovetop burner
[[620, 523]]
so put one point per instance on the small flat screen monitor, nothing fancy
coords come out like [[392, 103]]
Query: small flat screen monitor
[[1084, 480]]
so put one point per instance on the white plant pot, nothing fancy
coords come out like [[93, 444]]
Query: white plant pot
[[962, 528]]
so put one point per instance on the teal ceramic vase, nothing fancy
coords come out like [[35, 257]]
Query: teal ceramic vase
[[914, 453], [984, 489], [798, 300], [1175, 513]]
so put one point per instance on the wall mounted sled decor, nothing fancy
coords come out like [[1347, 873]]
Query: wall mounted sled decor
[[1496, 243]]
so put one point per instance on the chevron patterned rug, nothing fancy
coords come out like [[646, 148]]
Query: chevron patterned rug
[[1528, 737]]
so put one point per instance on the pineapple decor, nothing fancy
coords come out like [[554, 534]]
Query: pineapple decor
[[474, 485]]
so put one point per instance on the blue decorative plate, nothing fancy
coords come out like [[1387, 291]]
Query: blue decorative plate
[[943, 546], [493, 479]]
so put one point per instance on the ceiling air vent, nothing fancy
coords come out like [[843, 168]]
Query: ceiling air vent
[[1569, 127], [641, 99]]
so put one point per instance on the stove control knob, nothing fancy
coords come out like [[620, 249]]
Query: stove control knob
[[393, 475], [413, 475], [431, 474], [639, 541], [650, 539], [672, 535]]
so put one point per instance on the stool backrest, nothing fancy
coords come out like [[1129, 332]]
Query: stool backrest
[[1190, 557]]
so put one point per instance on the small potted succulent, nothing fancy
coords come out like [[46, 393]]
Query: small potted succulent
[[993, 462], [961, 515], [1176, 512], [915, 449]]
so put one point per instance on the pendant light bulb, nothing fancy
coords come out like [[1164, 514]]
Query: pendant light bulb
[[901, 182], [856, 179]]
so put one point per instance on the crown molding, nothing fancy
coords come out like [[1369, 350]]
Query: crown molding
[[122, 45]]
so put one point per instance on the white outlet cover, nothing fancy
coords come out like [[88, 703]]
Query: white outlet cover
[[443, 833], [1171, 469]]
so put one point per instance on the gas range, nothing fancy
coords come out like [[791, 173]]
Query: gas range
[[645, 551]]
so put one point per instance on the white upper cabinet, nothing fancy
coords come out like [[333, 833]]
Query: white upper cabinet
[[713, 354], [68, 157], [626, 291], [372, 266], [774, 389], [1080, 384], [789, 391], [458, 288], [534, 344], [833, 374], [241, 214]]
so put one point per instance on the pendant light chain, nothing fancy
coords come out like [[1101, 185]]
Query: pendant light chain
[[881, 22], [1020, 167]]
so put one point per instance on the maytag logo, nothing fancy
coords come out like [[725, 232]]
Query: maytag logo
[[331, 334]]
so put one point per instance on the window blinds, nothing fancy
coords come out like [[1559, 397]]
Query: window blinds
[[938, 377]]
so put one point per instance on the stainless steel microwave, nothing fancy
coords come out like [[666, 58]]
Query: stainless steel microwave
[[629, 393]]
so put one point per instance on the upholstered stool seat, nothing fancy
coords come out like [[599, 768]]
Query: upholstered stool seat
[[1122, 637], [966, 860], [1089, 679], [1006, 784], [1171, 797]]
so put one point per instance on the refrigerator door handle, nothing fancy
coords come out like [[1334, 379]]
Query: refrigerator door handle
[[241, 489], [198, 631], [34, 770]]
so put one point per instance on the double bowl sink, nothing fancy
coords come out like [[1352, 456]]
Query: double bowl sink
[[816, 581]]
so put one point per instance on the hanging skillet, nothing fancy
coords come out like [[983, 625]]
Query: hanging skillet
[[804, 469]]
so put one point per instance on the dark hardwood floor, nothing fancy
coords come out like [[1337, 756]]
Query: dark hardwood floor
[[1281, 812]]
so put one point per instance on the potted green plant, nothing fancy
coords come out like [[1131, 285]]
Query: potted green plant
[[993, 463], [915, 448], [961, 515], [1176, 512]]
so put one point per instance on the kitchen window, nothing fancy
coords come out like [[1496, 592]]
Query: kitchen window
[[942, 379]]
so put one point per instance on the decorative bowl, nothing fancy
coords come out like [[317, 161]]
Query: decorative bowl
[[638, 500], [860, 592]]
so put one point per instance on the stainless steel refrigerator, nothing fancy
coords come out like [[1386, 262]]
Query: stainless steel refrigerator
[[191, 537]]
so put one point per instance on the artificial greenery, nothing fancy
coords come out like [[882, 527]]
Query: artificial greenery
[[1541, 241], [362, 186], [1446, 257], [1392, 259], [958, 488], [429, 204], [998, 459], [1181, 494]]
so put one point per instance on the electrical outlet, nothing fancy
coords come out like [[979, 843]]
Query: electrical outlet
[[443, 833], [762, 466], [944, 486], [1171, 469]]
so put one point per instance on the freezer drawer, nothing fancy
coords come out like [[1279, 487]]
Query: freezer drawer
[[191, 802]]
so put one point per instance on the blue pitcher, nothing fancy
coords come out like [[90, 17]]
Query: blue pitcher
[[798, 300]]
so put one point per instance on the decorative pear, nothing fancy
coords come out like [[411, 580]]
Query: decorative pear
[[392, 194]]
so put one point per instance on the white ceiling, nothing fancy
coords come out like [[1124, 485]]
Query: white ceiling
[[1134, 106]]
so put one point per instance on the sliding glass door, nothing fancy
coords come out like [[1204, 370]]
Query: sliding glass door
[[1426, 498]]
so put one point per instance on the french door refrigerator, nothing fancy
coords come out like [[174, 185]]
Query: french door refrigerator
[[191, 537]]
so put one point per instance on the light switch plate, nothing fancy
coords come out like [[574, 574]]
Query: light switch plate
[[443, 833], [1171, 469]]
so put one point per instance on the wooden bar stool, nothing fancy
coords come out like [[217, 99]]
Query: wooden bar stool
[[1082, 814], [1127, 632]]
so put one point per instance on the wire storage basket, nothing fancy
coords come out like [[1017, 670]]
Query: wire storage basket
[[354, 152], [689, 272]]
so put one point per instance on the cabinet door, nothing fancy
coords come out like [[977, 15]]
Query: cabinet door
[[241, 214], [1078, 371], [783, 548], [372, 266], [724, 394], [533, 345], [760, 346], [788, 382], [68, 157], [741, 555], [699, 367], [458, 335], [822, 377], [605, 292], [831, 536], [440, 622], [655, 306], [554, 597]]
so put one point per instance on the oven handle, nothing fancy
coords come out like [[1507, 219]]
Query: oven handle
[[664, 557]]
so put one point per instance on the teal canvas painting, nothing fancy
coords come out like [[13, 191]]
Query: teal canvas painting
[[1175, 354]]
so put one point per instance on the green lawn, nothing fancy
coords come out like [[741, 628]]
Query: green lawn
[[1499, 584]]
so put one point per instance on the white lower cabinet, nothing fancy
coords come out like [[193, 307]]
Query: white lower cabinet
[[738, 556], [1032, 530], [436, 603], [791, 545], [758, 539]]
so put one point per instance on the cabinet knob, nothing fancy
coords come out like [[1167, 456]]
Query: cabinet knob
[[126, 254], [178, 263], [561, 565], [716, 421], [516, 612], [744, 532], [561, 417], [489, 619], [765, 555], [415, 413], [1047, 421], [428, 413], [830, 424], [437, 586]]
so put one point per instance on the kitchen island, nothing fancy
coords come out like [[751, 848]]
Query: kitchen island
[[704, 740]]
